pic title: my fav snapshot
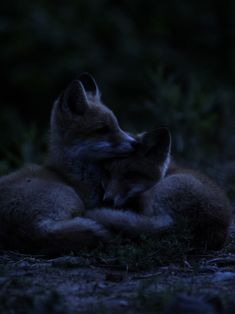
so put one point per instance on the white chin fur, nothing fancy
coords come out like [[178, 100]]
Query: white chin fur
[[120, 201], [165, 166], [127, 137], [136, 190]]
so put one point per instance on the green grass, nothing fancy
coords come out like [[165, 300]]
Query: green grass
[[144, 254], [28, 302], [149, 253]]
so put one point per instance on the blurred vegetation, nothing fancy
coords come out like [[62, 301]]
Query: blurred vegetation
[[156, 62], [145, 253]]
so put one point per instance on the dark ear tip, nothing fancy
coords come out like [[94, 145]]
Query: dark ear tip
[[75, 83], [161, 128], [75, 88], [89, 83], [85, 76], [162, 131]]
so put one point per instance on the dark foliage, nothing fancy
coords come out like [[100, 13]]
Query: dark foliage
[[157, 62]]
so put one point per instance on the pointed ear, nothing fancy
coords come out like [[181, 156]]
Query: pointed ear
[[90, 85], [157, 144], [75, 99]]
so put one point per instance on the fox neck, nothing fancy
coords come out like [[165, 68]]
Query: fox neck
[[83, 175]]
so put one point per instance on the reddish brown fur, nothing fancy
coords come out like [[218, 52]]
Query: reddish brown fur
[[182, 193], [42, 207]]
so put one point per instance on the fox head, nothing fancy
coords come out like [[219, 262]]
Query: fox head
[[83, 127], [127, 178]]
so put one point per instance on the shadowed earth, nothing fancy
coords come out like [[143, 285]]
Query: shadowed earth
[[93, 283]]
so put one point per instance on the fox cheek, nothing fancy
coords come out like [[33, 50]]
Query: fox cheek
[[137, 189], [123, 141]]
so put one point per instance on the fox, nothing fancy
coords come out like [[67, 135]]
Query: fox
[[42, 206], [149, 185]]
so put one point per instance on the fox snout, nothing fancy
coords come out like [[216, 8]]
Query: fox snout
[[125, 143], [108, 201], [115, 201]]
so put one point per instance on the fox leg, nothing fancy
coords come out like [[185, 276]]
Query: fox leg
[[129, 223], [76, 233]]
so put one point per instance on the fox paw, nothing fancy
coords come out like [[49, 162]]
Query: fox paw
[[162, 223]]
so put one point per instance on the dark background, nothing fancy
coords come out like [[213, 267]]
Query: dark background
[[156, 63]]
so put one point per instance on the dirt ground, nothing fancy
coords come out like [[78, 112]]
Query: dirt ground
[[75, 284]]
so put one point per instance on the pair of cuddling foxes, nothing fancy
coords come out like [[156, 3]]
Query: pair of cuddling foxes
[[98, 180]]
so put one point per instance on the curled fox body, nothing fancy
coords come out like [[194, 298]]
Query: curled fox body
[[42, 207], [146, 184]]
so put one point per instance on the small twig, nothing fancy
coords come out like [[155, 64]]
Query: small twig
[[222, 261]]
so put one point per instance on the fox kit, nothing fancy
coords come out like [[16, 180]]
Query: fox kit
[[41, 207], [146, 182]]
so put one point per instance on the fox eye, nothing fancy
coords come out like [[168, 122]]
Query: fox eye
[[131, 175], [105, 180], [106, 175], [103, 130], [103, 183]]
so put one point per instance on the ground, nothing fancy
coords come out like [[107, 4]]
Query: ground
[[108, 283]]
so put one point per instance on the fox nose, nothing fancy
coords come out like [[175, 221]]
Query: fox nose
[[134, 144], [128, 138], [128, 142], [108, 201]]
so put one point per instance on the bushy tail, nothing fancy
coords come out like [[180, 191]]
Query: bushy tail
[[73, 234], [129, 223]]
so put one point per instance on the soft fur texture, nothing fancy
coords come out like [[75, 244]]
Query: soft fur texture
[[41, 207], [135, 183], [130, 224]]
